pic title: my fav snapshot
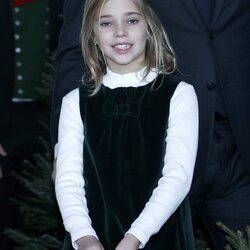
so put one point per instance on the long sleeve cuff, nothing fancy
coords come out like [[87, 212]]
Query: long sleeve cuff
[[77, 234]]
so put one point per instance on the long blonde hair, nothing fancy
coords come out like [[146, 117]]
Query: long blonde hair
[[159, 53]]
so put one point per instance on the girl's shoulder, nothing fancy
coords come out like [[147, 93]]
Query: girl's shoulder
[[167, 82], [175, 84], [86, 89], [71, 99], [175, 79], [73, 94]]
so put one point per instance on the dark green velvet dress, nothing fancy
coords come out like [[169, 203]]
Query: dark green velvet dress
[[124, 148]]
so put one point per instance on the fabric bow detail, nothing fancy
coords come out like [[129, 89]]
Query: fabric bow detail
[[131, 109]]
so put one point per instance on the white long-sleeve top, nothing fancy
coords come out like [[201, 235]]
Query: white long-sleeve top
[[179, 161]]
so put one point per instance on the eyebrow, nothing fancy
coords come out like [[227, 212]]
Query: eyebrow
[[127, 14]]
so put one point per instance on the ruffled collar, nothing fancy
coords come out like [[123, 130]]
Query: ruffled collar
[[133, 79]]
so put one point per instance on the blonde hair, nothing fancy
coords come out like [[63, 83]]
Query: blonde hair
[[159, 53]]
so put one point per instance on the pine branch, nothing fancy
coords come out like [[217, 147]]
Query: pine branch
[[236, 240], [248, 236], [27, 242]]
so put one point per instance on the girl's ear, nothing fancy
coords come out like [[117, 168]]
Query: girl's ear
[[94, 40]]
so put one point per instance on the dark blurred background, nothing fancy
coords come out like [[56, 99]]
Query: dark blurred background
[[29, 32]]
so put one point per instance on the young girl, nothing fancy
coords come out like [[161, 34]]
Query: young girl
[[127, 137]]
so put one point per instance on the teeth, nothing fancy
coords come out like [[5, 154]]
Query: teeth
[[122, 46]]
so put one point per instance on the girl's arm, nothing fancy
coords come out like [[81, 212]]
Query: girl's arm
[[69, 183], [179, 161]]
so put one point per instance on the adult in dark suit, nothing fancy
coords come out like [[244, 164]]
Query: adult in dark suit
[[69, 61], [211, 40], [55, 20]]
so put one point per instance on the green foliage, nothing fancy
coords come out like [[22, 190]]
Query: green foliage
[[40, 219], [27, 242], [236, 240]]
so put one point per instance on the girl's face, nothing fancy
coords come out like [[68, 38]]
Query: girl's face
[[120, 32]]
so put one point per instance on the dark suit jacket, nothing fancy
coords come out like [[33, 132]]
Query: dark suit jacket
[[7, 66], [69, 61], [55, 20], [202, 50]]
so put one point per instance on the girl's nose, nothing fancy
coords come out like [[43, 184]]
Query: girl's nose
[[120, 30]]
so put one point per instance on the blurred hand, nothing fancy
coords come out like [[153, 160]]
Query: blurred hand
[[89, 243], [2, 151], [129, 242]]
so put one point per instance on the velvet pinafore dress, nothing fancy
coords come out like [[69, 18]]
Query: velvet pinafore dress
[[124, 148]]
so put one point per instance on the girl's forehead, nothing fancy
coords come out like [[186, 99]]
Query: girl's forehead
[[117, 6]]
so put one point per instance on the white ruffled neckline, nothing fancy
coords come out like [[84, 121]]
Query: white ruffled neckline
[[114, 80]]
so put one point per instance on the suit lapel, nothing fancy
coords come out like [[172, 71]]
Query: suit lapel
[[217, 10], [193, 11]]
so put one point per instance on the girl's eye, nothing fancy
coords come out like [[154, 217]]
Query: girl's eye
[[133, 21], [105, 24]]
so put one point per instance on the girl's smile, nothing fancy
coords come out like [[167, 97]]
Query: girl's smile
[[122, 48]]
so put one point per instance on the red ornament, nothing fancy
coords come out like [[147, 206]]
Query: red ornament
[[21, 2]]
